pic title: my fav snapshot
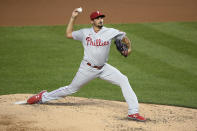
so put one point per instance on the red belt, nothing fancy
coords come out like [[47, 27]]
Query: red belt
[[98, 67]]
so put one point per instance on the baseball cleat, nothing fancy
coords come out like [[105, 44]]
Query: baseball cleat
[[36, 98], [136, 117]]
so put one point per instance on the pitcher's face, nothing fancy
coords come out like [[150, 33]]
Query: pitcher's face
[[98, 22]]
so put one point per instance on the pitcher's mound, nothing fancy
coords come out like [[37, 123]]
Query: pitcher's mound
[[83, 114]]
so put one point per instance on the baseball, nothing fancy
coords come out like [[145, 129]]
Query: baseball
[[79, 9]]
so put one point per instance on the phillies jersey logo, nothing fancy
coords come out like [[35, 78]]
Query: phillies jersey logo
[[97, 42]]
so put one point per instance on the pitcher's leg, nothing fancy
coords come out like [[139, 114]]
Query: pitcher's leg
[[81, 78], [114, 76]]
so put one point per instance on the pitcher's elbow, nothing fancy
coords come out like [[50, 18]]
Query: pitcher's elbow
[[68, 35]]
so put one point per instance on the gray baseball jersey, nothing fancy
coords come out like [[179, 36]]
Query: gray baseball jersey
[[97, 45]]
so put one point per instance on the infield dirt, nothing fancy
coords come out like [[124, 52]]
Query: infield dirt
[[83, 114]]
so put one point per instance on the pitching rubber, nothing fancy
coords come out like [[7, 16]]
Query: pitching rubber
[[20, 102]]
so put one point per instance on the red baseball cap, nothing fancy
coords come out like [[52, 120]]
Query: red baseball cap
[[96, 14]]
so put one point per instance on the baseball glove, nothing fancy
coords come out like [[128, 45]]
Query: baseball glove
[[121, 47]]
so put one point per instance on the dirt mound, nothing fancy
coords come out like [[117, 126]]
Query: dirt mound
[[83, 114]]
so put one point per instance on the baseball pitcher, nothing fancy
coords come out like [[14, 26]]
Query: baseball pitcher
[[96, 42]]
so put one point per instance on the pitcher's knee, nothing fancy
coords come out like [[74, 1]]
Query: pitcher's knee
[[70, 89], [123, 79], [73, 89]]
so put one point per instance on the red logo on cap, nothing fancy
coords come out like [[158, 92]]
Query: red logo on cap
[[96, 14]]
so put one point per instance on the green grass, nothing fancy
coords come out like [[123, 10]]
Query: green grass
[[162, 68]]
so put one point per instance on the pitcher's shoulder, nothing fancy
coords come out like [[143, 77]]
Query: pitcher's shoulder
[[84, 30], [112, 30]]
